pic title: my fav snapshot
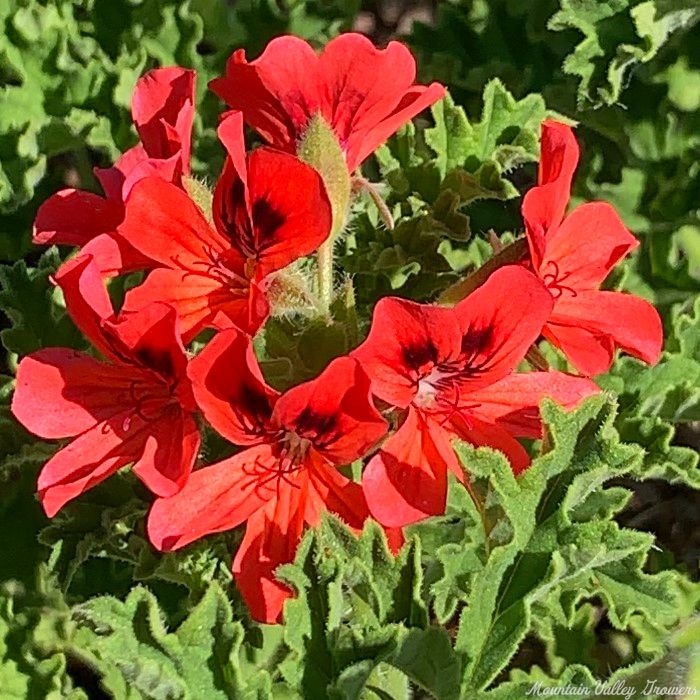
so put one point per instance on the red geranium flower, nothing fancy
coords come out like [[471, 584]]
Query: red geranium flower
[[452, 369], [163, 109], [287, 475], [269, 209], [573, 255], [135, 407], [365, 94]]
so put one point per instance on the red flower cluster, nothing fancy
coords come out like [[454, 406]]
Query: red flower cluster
[[437, 372], [286, 475]]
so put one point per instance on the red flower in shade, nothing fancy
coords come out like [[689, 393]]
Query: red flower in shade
[[287, 475], [136, 407], [452, 369], [268, 210], [163, 109], [365, 94], [573, 255]]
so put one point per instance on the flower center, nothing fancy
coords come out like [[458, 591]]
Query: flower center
[[553, 279], [294, 449], [148, 401], [439, 394], [219, 268], [429, 388]]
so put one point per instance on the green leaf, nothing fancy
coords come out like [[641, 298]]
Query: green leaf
[[453, 547], [30, 302], [521, 683], [358, 609], [652, 400], [423, 656], [34, 631], [676, 668], [137, 656], [438, 176], [618, 36], [102, 534], [507, 134], [550, 544]]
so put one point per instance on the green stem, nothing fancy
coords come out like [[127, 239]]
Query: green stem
[[352, 327], [360, 183], [536, 359], [325, 273], [83, 167]]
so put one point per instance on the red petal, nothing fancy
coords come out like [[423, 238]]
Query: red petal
[[230, 132], [544, 206], [588, 244], [407, 480], [357, 93], [74, 217], [168, 170], [499, 321], [162, 98], [237, 404], [231, 210], [150, 337], [415, 100], [513, 402], [164, 224], [291, 214], [265, 546], [214, 499], [405, 341], [259, 206], [484, 434], [330, 490], [87, 301], [367, 93], [277, 93], [112, 179], [62, 392], [169, 452], [271, 539], [588, 352], [631, 323], [91, 458], [200, 301], [114, 256], [348, 83], [334, 411], [559, 154], [395, 539]]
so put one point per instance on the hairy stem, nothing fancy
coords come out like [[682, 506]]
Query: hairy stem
[[325, 273], [536, 359], [360, 183]]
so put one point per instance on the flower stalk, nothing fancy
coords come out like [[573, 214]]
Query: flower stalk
[[320, 148]]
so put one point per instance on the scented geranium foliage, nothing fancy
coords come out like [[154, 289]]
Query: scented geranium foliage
[[327, 418]]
